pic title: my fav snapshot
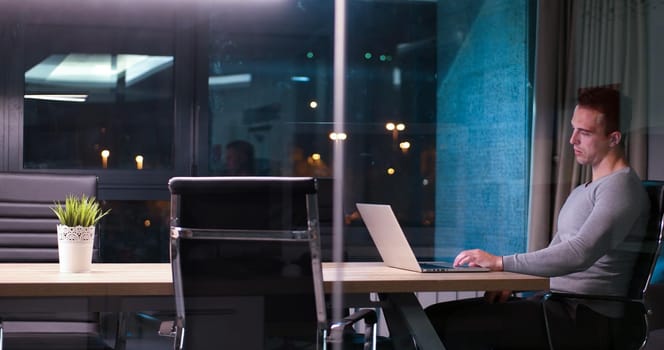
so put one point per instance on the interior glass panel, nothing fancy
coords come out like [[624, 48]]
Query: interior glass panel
[[135, 231], [270, 100], [99, 100]]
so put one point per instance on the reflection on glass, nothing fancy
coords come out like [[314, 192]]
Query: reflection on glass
[[270, 84], [139, 162], [104, 158], [82, 105], [136, 231], [85, 71], [419, 129], [429, 68]]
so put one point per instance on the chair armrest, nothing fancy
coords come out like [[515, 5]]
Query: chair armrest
[[337, 329], [560, 295], [595, 297]]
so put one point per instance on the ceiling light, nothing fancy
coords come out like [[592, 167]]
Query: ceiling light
[[230, 80], [57, 97]]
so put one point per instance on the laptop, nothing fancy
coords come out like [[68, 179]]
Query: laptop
[[393, 246]]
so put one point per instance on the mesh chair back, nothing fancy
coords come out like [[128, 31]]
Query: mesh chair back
[[27, 226], [650, 244], [245, 203], [254, 239]]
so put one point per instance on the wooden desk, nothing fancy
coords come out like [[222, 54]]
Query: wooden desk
[[403, 312], [105, 280], [150, 287], [365, 277], [45, 280]]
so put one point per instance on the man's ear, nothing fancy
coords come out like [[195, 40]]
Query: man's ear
[[615, 138]]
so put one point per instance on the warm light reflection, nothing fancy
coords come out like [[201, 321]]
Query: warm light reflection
[[338, 136], [315, 156], [399, 127], [313, 104], [404, 145], [147, 223], [104, 158], [391, 171], [139, 162]]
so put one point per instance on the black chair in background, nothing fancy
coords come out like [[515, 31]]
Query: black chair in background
[[245, 254], [28, 234], [27, 225], [631, 331]]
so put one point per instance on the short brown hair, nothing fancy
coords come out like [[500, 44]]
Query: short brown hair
[[605, 100]]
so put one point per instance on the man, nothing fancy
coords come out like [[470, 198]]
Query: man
[[583, 257], [239, 159]]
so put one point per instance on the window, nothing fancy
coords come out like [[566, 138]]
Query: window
[[99, 96], [269, 81], [437, 121], [437, 117], [101, 99]]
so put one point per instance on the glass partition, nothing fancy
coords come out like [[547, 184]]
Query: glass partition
[[270, 100], [269, 82], [101, 99], [137, 231], [437, 108], [420, 107]]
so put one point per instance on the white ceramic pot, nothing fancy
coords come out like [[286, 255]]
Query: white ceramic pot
[[75, 246]]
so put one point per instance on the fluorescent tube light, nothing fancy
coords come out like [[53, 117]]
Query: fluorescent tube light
[[226, 80], [58, 97], [300, 78]]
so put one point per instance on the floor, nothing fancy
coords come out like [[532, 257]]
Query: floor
[[655, 340]]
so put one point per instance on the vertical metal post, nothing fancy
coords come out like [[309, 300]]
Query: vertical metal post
[[338, 110]]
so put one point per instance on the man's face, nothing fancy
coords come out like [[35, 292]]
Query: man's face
[[233, 160], [589, 138]]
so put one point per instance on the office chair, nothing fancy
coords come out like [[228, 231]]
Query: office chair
[[631, 331], [655, 305], [28, 234], [245, 255]]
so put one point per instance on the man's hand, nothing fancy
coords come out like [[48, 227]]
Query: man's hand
[[478, 257]]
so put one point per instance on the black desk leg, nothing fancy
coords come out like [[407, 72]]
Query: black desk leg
[[409, 326]]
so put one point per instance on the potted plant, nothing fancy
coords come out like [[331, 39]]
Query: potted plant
[[76, 231]]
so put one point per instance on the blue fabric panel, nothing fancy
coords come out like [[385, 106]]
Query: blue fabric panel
[[658, 272], [483, 134]]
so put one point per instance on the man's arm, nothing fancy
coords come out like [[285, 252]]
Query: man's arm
[[593, 222]]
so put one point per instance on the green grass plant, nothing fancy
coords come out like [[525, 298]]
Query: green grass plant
[[79, 211]]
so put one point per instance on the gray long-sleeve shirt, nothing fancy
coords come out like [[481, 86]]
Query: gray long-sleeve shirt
[[588, 254]]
